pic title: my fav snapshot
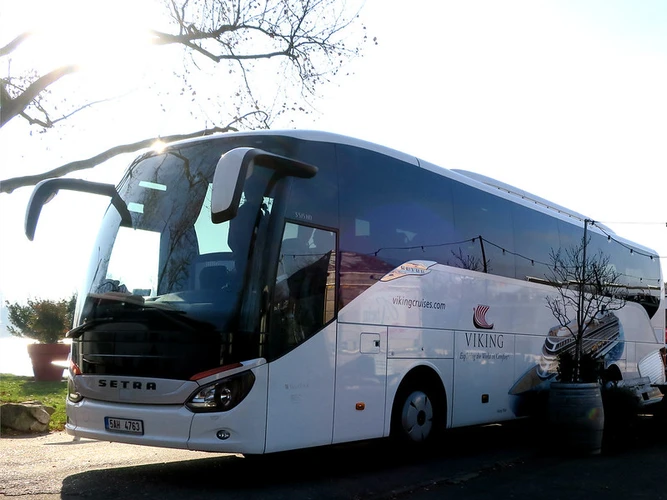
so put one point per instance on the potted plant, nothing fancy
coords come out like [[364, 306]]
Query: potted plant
[[584, 302], [45, 321]]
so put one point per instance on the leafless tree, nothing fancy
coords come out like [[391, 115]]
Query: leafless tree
[[587, 288], [468, 261], [296, 43]]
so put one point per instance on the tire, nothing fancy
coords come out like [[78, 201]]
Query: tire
[[417, 415]]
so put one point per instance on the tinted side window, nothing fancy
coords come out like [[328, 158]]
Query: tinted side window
[[484, 222], [315, 200], [393, 210], [535, 237], [638, 273], [390, 212], [304, 296], [570, 235]]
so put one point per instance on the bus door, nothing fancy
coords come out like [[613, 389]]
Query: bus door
[[361, 378], [302, 339]]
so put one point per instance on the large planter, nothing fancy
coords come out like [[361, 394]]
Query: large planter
[[43, 356], [576, 418]]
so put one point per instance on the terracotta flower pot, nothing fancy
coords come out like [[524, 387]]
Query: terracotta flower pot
[[43, 356]]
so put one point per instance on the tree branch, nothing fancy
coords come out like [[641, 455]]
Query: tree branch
[[13, 45], [302, 38], [12, 107], [9, 185], [188, 39]]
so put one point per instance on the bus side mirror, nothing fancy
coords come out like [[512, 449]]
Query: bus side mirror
[[230, 175], [47, 189]]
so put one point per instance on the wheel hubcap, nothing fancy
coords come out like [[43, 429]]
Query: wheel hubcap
[[417, 416]]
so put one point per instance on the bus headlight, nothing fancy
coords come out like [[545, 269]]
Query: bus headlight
[[72, 394], [222, 395]]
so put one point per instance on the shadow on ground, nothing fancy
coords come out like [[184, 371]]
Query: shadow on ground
[[357, 470], [361, 470]]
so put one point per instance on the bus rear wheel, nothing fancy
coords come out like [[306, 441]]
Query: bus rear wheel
[[416, 416]]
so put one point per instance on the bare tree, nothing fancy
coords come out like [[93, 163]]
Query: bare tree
[[297, 43], [468, 261], [587, 288]]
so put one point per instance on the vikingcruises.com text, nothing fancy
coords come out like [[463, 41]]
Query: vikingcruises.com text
[[422, 304]]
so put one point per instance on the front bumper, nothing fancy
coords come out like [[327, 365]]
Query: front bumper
[[239, 430]]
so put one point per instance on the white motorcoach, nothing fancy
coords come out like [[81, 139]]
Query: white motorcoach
[[265, 291]]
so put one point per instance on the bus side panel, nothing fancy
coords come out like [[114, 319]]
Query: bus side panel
[[412, 347], [397, 368], [425, 343], [527, 353], [640, 341], [301, 394], [636, 324], [629, 367], [484, 371], [361, 375]]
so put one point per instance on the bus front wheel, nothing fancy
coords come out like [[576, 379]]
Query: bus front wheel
[[416, 416]]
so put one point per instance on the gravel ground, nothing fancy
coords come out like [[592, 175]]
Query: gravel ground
[[37, 464]]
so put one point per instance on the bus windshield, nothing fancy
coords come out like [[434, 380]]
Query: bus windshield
[[174, 272]]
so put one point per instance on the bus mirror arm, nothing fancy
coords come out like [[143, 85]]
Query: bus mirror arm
[[283, 165], [230, 175], [47, 189]]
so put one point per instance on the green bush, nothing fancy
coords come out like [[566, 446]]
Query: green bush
[[46, 321]]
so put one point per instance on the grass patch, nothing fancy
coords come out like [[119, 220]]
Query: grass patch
[[16, 389]]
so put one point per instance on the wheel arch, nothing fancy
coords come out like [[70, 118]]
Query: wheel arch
[[419, 376]]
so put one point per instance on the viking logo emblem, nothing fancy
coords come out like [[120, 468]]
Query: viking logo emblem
[[479, 317]]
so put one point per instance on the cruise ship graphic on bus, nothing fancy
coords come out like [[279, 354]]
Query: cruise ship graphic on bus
[[600, 337], [603, 338]]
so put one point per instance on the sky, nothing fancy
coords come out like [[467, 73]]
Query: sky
[[563, 99]]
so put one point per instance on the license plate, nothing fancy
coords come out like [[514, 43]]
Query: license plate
[[124, 425]]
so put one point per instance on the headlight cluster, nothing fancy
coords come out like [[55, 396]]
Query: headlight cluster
[[72, 394], [222, 395]]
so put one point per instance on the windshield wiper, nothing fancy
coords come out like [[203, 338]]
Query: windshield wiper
[[81, 329], [110, 307]]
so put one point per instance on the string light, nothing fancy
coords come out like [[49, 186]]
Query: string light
[[632, 250], [531, 260]]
